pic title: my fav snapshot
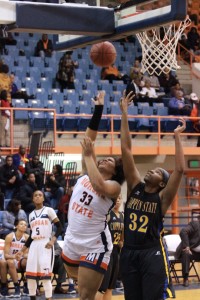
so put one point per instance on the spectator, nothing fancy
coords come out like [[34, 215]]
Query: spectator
[[135, 87], [44, 47], [14, 242], [175, 88], [5, 81], [6, 38], [12, 213], [35, 166], [195, 113], [20, 159], [59, 269], [148, 93], [153, 80], [9, 178], [55, 186], [193, 38], [167, 81], [135, 72], [178, 105], [4, 120], [16, 93], [112, 73], [65, 75], [189, 247], [26, 193]]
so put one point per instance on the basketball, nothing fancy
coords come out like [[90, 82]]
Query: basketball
[[103, 54]]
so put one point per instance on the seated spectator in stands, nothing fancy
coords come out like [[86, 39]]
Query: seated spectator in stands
[[5, 81], [148, 93], [35, 166], [193, 38], [66, 74], [179, 106], [134, 86], [167, 81], [18, 94], [59, 269], [195, 112], [6, 38], [20, 159], [189, 247], [26, 193], [14, 242], [4, 120], [112, 73], [175, 88], [55, 186], [44, 47], [12, 213], [135, 71], [153, 80], [9, 178]]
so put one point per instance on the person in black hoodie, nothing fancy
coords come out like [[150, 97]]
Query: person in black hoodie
[[9, 178], [26, 193], [55, 186], [36, 167]]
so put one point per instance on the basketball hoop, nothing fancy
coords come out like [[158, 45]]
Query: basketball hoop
[[159, 53]]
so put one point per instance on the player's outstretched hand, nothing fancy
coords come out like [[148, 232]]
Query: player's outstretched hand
[[180, 128], [126, 100], [87, 146], [99, 99]]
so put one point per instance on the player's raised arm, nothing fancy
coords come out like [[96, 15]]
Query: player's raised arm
[[169, 192], [93, 126], [131, 172]]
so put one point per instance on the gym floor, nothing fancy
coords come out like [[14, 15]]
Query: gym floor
[[182, 293]]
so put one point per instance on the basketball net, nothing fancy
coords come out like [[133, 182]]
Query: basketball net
[[159, 53]]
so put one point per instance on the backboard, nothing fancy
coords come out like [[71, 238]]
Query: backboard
[[132, 17], [81, 24]]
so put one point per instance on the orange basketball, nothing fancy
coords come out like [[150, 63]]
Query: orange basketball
[[103, 54]]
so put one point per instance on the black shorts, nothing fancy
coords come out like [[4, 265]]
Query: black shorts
[[145, 274], [110, 277]]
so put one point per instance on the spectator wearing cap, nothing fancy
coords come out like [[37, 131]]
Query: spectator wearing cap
[[195, 112], [189, 248]]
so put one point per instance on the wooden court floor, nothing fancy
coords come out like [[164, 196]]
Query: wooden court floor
[[184, 294]]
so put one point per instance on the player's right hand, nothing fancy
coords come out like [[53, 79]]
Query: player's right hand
[[126, 100]]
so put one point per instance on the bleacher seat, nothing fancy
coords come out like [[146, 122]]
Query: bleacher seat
[[38, 121], [21, 114], [35, 103]]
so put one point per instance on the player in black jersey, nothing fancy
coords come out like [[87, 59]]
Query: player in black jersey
[[115, 221], [143, 260]]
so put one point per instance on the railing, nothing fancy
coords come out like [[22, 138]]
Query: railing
[[191, 58], [112, 144]]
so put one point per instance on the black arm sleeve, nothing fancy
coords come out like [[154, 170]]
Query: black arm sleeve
[[29, 241], [59, 229], [96, 118]]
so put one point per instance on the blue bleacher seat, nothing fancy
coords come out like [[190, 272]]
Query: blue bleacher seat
[[50, 121], [38, 121], [21, 114], [35, 103], [18, 102]]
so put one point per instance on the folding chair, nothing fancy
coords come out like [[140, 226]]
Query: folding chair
[[172, 241]]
